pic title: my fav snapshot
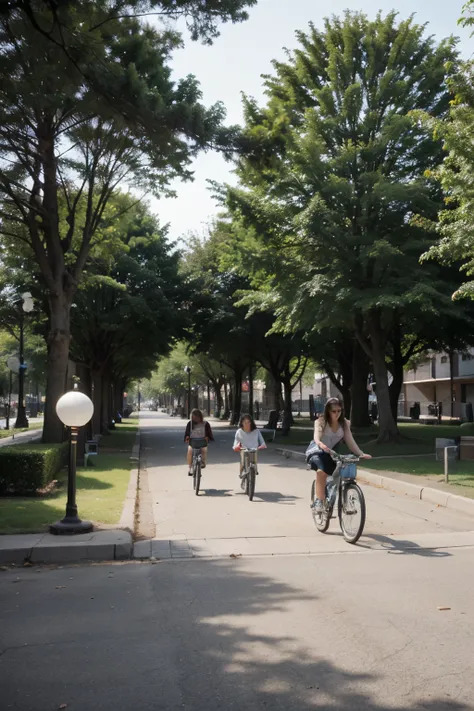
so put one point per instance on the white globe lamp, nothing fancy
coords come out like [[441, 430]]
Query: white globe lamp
[[75, 410]]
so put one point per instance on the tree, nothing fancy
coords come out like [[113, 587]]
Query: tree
[[74, 125], [332, 179], [127, 314], [456, 221]]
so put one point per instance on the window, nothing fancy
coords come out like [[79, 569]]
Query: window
[[444, 359], [466, 356]]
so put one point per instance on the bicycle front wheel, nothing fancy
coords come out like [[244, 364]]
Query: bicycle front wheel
[[251, 482], [197, 478], [352, 512], [321, 519]]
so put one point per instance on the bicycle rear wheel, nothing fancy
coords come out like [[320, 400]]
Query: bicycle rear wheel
[[197, 478], [251, 482], [322, 519], [352, 512]]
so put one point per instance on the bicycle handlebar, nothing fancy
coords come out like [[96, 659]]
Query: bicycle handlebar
[[345, 458]]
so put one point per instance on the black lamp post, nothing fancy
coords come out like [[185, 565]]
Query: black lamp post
[[75, 410], [187, 370], [26, 307]]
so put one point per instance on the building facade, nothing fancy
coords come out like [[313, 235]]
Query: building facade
[[441, 379]]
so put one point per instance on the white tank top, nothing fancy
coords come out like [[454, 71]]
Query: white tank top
[[331, 439], [198, 431]]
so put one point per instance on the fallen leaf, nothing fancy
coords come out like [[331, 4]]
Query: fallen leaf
[[441, 608], [60, 587], [235, 555], [27, 564], [63, 706]]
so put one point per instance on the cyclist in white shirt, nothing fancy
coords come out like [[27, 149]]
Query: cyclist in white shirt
[[247, 437]]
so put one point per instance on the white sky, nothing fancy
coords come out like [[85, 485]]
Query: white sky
[[238, 58]]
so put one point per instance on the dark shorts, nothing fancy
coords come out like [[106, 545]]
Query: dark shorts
[[323, 461], [198, 443]]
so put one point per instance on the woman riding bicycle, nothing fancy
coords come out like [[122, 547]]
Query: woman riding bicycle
[[247, 437], [198, 433], [329, 430]]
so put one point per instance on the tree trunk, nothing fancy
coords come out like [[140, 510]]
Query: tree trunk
[[105, 405], [395, 387], [287, 418], [388, 431], [237, 399], [218, 397], [97, 400], [226, 401], [344, 389], [58, 354], [359, 412], [251, 390]]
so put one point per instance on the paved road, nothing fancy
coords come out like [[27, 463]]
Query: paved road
[[356, 629], [223, 521]]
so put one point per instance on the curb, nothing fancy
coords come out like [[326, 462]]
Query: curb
[[405, 488], [46, 548], [127, 519]]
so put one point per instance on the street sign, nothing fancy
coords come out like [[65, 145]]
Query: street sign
[[14, 364]]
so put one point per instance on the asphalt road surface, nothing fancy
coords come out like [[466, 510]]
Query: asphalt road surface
[[336, 627]]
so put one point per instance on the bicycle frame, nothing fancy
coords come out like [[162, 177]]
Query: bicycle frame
[[338, 482], [249, 457]]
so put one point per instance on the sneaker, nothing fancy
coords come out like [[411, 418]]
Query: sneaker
[[190, 472], [203, 465], [318, 506], [242, 483]]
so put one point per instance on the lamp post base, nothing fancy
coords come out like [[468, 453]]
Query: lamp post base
[[70, 527]]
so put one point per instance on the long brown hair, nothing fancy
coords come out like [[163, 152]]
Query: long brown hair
[[327, 408], [198, 415]]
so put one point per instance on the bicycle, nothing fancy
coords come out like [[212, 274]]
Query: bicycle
[[197, 446], [249, 472], [351, 508]]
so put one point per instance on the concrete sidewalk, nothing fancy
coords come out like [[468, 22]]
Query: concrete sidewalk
[[46, 548], [22, 438], [439, 494]]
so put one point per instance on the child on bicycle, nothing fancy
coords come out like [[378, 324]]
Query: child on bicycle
[[197, 435], [247, 437]]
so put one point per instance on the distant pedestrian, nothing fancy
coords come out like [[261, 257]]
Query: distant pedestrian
[[197, 435]]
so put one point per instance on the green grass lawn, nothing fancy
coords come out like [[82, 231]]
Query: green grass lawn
[[461, 474], [416, 439], [101, 489]]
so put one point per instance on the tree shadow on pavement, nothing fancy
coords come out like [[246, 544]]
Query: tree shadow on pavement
[[207, 635], [240, 651]]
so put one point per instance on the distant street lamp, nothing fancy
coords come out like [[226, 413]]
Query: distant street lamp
[[75, 410], [187, 369], [26, 307]]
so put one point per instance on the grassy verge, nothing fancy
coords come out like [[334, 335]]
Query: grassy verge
[[416, 439], [461, 474], [9, 433], [101, 489]]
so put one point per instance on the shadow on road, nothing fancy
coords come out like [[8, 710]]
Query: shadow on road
[[400, 547], [275, 497], [203, 635]]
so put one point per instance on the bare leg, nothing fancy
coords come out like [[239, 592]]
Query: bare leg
[[321, 478], [190, 457], [204, 455]]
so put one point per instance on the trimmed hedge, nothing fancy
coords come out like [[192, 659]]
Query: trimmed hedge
[[26, 468]]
